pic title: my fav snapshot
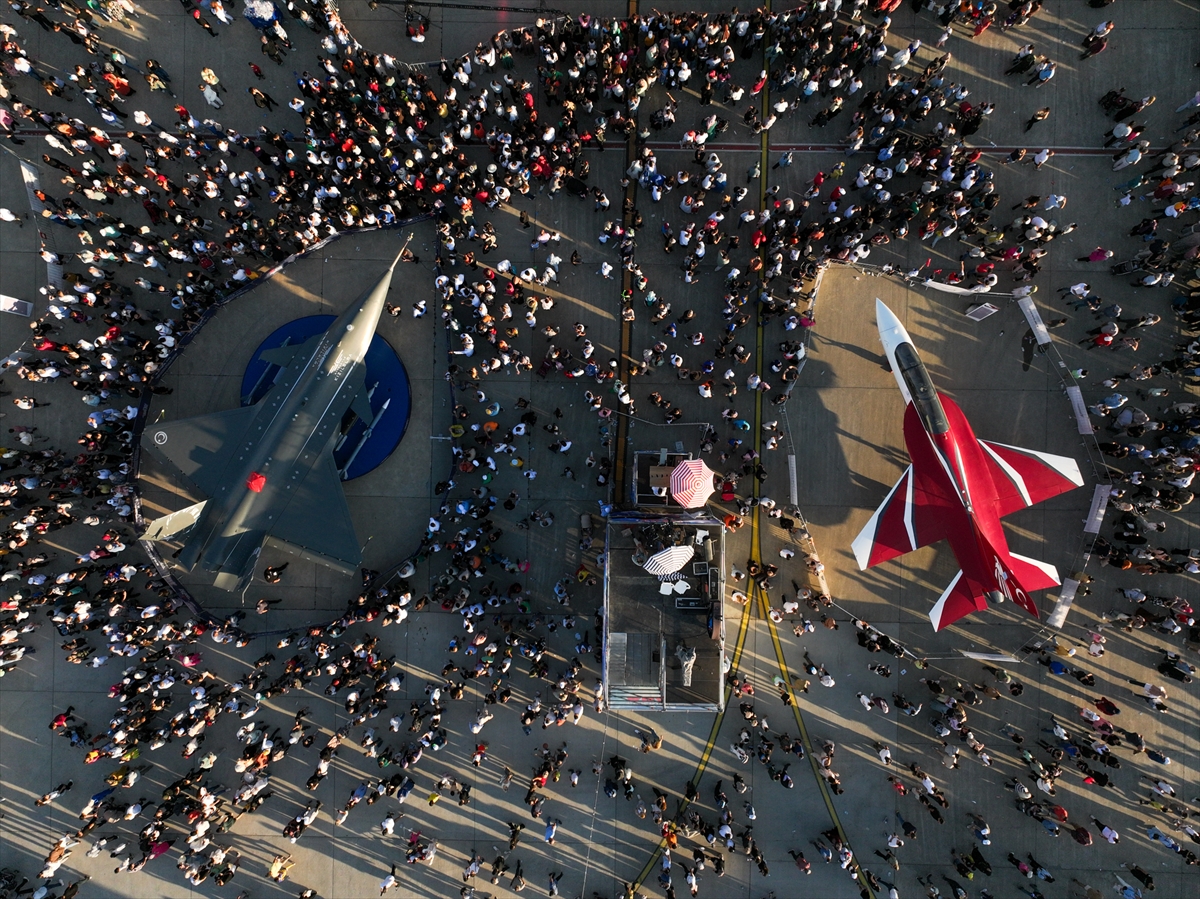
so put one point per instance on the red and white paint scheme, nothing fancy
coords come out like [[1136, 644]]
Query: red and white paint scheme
[[957, 488]]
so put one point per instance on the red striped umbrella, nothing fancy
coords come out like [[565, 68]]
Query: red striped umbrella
[[691, 483]]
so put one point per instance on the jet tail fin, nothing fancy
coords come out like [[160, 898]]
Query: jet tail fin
[[958, 600], [234, 582], [176, 525], [1014, 576], [1026, 575], [233, 558]]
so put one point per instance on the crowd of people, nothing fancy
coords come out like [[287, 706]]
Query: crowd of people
[[368, 141]]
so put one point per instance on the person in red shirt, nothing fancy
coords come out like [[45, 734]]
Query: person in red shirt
[[119, 84]]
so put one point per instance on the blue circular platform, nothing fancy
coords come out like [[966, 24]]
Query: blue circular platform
[[384, 369]]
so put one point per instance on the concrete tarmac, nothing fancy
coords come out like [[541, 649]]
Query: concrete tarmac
[[843, 426]]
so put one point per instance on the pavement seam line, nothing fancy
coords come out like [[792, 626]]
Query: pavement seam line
[[620, 482]]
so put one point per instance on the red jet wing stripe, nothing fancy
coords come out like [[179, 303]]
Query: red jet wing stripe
[[1023, 477], [888, 533], [907, 519], [1032, 574]]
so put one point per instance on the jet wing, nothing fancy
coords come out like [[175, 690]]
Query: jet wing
[[316, 523], [1023, 477], [201, 447], [909, 517]]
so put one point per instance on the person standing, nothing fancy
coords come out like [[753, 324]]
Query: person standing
[[210, 95], [262, 99], [273, 574], [208, 76], [203, 22], [1040, 116], [1043, 73], [270, 48], [280, 865], [1190, 104], [388, 882]]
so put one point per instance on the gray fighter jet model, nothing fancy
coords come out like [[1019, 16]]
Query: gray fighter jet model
[[268, 469]]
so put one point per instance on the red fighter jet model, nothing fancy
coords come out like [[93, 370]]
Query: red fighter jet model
[[957, 488]]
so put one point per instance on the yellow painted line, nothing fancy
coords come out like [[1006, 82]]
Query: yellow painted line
[[743, 628], [822, 784], [755, 543]]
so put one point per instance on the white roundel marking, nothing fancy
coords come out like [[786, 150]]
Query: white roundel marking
[[160, 437]]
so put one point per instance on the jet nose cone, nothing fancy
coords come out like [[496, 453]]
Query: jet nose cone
[[891, 332], [885, 318]]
